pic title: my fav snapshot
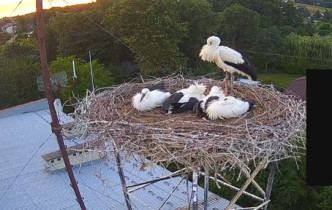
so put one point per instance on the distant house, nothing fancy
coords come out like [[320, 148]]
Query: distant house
[[298, 87], [9, 28], [28, 149]]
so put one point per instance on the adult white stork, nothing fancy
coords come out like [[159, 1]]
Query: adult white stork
[[215, 93], [184, 99], [228, 107], [150, 97], [228, 59]]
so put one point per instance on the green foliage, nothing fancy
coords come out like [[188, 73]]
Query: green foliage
[[100, 76], [22, 49], [77, 33], [290, 15], [266, 45], [151, 29], [324, 28], [240, 34], [280, 80], [304, 52], [201, 23], [4, 37], [18, 72]]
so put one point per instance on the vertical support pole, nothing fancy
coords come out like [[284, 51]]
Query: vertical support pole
[[273, 169], [206, 187], [91, 74], [195, 188], [122, 179], [56, 128]]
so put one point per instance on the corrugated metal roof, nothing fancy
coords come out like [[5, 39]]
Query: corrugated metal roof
[[24, 184]]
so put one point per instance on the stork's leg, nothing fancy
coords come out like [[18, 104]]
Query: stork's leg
[[232, 80], [226, 81]]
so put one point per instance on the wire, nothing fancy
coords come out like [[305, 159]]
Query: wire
[[110, 33], [11, 184], [19, 3]]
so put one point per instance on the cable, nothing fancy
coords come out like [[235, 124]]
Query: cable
[[19, 3], [11, 184]]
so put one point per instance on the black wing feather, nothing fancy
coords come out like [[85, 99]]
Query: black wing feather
[[245, 68], [172, 99], [158, 86], [186, 106], [210, 99]]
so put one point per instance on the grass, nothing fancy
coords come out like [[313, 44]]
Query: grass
[[280, 80], [314, 8]]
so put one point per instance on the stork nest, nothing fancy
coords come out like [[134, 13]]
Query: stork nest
[[273, 130]]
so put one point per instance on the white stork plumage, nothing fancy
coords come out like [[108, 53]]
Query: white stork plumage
[[184, 99], [228, 107], [215, 93], [228, 59], [150, 97]]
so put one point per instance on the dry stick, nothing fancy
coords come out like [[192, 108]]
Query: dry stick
[[236, 197], [253, 181], [235, 188], [253, 208]]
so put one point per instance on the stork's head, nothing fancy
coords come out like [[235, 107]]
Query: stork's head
[[210, 52], [213, 41], [229, 100], [144, 91]]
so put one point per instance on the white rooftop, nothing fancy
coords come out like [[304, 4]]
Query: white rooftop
[[25, 135]]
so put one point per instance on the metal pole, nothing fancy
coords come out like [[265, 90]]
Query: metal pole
[[122, 179], [195, 192], [270, 182], [206, 186], [56, 127], [91, 74]]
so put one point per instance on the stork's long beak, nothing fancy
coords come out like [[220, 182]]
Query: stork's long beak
[[143, 95]]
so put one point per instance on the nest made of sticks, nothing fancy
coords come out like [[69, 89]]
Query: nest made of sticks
[[274, 129]]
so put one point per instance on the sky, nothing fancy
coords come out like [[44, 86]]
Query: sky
[[7, 7]]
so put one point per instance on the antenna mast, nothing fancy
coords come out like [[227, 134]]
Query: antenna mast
[[56, 127]]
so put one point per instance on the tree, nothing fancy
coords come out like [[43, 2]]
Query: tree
[[317, 15], [240, 34], [77, 33], [305, 52], [324, 28], [201, 24], [152, 29], [100, 74], [18, 73], [267, 45], [291, 16]]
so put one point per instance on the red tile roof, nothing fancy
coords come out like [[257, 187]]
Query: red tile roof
[[298, 87]]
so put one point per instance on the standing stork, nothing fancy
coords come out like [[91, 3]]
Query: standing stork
[[228, 59]]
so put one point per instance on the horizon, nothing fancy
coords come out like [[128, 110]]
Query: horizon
[[13, 8]]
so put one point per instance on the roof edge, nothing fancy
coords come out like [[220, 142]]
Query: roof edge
[[25, 108]]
